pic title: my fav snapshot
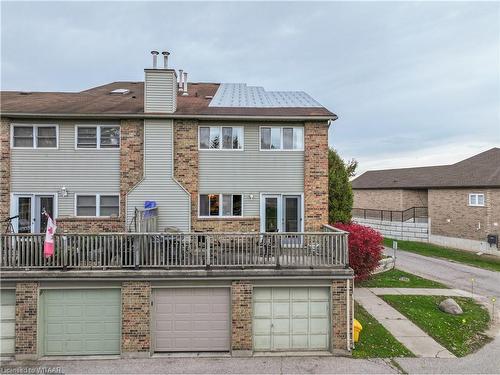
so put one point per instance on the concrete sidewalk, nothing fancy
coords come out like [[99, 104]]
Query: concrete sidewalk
[[405, 331]]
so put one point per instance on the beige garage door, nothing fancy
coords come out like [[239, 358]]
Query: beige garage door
[[191, 319]]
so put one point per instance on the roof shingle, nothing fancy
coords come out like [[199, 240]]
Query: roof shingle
[[99, 100], [481, 170]]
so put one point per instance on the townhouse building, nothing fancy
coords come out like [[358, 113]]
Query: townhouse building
[[191, 217]]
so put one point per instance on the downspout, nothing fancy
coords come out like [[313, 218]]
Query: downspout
[[348, 316]]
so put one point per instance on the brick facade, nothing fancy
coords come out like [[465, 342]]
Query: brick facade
[[131, 159], [241, 315], [339, 313], [315, 176], [136, 296], [26, 320], [451, 215], [4, 169], [389, 199]]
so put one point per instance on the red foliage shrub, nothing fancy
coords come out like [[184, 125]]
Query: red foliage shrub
[[365, 249]]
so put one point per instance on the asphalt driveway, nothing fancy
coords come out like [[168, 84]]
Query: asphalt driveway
[[455, 275]]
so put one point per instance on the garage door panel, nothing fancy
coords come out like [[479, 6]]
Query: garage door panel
[[281, 342], [7, 346], [281, 294], [7, 321], [192, 319], [262, 294], [300, 294], [291, 318], [319, 309], [8, 312], [90, 323], [300, 309], [281, 326], [320, 294], [281, 309], [300, 326], [319, 326], [262, 342], [8, 330], [262, 309], [319, 341], [300, 341]]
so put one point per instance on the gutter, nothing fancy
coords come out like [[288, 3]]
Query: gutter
[[164, 116]]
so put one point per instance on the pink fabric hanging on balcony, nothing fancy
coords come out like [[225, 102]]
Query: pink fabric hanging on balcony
[[48, 247]]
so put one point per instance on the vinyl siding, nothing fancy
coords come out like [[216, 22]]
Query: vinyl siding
[[158, 184], [161, 91], [250, 171], [81, 171]]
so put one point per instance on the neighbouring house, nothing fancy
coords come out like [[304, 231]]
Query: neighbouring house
[[191, 217], [455, 205]]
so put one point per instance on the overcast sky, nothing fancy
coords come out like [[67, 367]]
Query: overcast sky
[[412, 83]]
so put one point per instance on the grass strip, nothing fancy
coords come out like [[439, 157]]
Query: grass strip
[[392, 279], [375, 341], [460, 334]]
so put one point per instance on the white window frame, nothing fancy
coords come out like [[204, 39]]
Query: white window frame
[[97, 203], [220, 206], [281, 149], [477, 195], [35, 135], [98, 137], [220, 133]]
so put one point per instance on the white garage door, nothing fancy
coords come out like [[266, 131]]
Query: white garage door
[[7, 322], [191, 319], [291, 319]]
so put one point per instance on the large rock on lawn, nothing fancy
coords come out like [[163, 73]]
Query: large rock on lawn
[[450, 306]]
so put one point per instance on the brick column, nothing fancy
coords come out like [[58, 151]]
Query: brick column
[[340, 314], [4, 169], [26, 320], [131, 160], [186, 161], [241, 315], [136, 314], [315, 175]]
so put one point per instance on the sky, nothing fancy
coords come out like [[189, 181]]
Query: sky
[[413, 83]]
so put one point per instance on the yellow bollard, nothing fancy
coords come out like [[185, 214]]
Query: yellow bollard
[[357, 328]]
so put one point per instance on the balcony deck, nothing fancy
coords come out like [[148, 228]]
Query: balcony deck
[[133, 252]]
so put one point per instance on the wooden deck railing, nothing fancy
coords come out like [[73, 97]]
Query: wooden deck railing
[[186, 250]]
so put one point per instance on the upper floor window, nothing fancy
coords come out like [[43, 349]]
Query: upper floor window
[[221, 138], [221, 205], [97, 205], [281, 138], [34, 136], [97, 136], [476, 199]]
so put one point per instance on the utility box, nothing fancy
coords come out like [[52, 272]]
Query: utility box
[[492, 239]]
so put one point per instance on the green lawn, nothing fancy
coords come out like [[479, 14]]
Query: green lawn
[[460, 334], [489, 262], [375, 341], [390, 279]]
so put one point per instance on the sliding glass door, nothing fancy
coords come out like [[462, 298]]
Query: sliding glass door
[[30, 210], [281, 213]]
